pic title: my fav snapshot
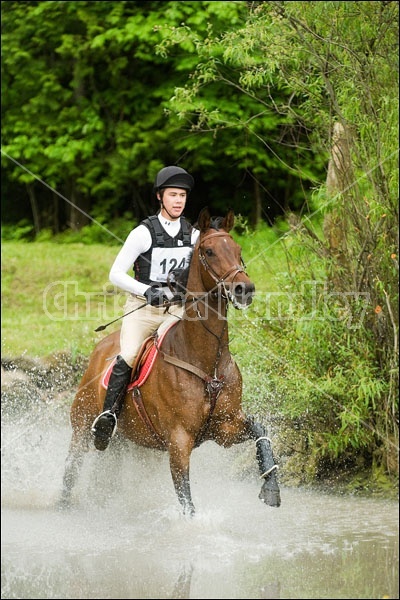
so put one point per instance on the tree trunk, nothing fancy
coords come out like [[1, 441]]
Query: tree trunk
[[56, 221], [34, 206], [338, 186], [79, 206], [257, 209]]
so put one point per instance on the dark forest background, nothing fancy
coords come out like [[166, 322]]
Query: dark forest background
[[90, 114]]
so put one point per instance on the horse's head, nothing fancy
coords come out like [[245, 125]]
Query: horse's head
[[220, 257]]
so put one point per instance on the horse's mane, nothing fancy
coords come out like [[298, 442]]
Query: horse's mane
[[178, 278], [215, 223]]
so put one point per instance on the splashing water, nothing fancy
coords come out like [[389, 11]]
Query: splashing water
[[125, 536]]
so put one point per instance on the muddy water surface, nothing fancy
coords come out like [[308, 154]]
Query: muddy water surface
[[126, 538]]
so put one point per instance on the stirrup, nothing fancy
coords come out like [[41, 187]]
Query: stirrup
[[106, 412]]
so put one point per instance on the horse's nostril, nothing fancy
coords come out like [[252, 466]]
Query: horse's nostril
[[239, 289], [244, 292]]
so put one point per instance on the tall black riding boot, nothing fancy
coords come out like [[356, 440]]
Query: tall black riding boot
[[105, 424]]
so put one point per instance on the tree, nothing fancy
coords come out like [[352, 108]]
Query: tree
[[83, 96], [323, 67]]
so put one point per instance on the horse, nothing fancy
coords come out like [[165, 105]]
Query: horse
[[193, 392]]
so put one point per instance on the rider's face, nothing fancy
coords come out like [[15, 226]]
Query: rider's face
[[173, 202]]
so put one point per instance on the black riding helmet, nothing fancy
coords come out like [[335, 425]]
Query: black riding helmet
[[173, 177]]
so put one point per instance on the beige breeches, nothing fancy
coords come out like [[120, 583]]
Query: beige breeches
[[141, 324]]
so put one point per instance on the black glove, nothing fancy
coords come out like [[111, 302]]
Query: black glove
[[155, 296]]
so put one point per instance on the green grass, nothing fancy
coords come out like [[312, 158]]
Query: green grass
[[54, 296]]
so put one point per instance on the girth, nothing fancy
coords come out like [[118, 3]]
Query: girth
[[213, 387]]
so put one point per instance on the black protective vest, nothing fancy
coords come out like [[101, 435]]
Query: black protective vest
[[159, 239]]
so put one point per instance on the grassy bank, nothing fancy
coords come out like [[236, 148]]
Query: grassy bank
[[54, 296]]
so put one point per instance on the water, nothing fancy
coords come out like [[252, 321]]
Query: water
[[126, 537]]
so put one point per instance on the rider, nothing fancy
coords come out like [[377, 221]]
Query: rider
[[157, 245]]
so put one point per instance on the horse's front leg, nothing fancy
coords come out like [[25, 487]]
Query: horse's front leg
[[269, 493], [72, 469], [180, 449]]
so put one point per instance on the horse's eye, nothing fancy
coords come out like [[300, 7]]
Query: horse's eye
[[209, 252]]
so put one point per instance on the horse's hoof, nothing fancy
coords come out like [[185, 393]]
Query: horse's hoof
[[189, 511], [270, 497]]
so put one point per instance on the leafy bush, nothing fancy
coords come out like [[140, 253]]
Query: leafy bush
[[23, 230]]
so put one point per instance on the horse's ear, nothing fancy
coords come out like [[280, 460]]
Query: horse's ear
[[204, 220], [229, 220]]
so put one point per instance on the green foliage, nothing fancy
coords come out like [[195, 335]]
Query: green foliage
[[313, 358], [111, 234], [23, 230], [83, 102], [294, 68]]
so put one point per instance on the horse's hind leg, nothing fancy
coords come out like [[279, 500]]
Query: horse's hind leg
[[269, 493]]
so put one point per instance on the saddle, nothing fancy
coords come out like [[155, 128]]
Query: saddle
[[144, 361]]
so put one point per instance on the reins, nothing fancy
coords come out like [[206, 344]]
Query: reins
[[213, 384], [217, 279]]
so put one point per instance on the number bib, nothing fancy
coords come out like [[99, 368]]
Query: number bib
[[164, 260]]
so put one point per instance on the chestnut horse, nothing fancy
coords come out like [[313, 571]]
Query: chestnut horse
[[193, 392]]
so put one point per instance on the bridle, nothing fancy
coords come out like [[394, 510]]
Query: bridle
[[219, 280]]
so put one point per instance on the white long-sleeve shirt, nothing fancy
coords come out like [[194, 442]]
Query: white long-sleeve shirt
[[138, 242]]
